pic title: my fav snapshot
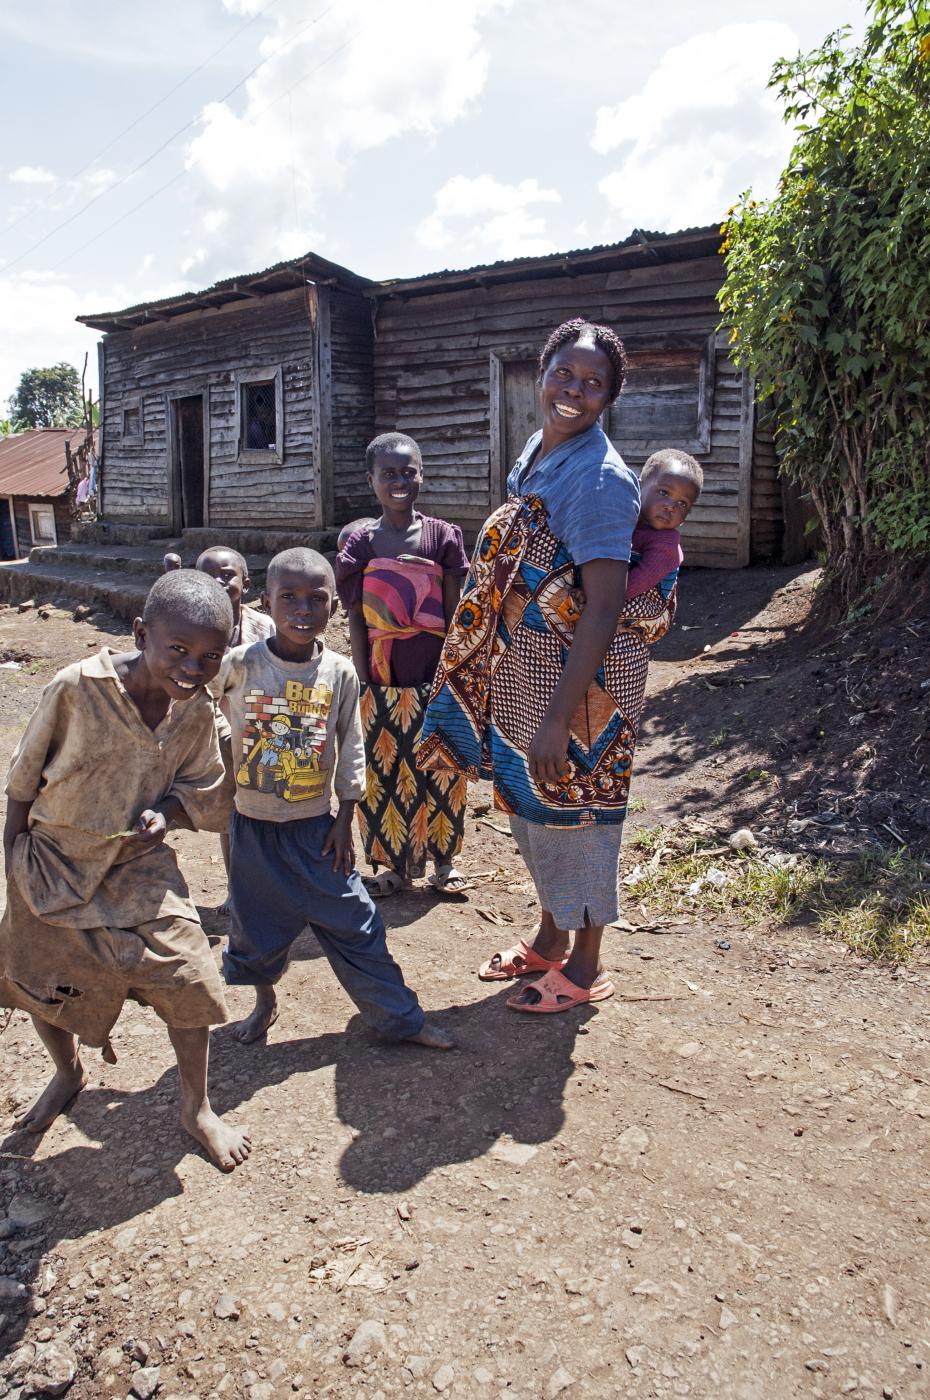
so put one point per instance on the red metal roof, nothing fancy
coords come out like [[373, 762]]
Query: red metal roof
[[33, 463]]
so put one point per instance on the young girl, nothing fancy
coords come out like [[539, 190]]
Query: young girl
[[399, 579]]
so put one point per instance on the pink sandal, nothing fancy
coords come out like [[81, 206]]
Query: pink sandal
[[556, 993], [516, 962]]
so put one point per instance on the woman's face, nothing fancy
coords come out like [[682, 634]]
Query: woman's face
[[575, 388]]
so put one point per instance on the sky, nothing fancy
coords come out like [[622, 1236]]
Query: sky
[[153, 149]]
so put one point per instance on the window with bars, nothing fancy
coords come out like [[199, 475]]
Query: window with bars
[[259, 416]]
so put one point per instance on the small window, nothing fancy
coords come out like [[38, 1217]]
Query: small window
[[42, 524], [259, 417], [260, 400], [132, 422], [668, 396]]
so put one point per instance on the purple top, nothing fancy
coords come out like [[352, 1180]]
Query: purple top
[[657, 557], [413, 659]]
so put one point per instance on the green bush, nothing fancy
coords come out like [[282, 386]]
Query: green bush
[[827, 294]]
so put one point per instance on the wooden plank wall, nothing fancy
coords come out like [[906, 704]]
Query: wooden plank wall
[[353, 408], [202, 352], [432, 354]]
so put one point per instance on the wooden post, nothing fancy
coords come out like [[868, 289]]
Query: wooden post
[[744, 497], [496, 424], [320, 306]]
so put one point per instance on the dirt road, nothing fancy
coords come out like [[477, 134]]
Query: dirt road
[[714, 1185]]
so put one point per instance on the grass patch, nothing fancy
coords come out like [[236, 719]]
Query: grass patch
[[637, 804], [879, 905], [649, 838]]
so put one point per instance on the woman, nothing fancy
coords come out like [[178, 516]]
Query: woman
[[541, 695]]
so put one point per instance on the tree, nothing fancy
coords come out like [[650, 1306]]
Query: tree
[[827, 293], [48, 398]]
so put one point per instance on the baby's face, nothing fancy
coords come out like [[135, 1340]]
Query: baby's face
[[667, 499]]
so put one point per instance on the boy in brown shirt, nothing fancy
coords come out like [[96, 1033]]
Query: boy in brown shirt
[[120, 747]]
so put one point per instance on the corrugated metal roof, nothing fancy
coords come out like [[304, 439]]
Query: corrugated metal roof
[[646, 240], [280, 277], [293, 273], [33, 463]]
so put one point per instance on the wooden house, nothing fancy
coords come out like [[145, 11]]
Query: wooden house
[[35, 490], [238, 407], [249, 405]]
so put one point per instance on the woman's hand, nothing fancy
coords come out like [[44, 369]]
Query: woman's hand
[[548, 751]]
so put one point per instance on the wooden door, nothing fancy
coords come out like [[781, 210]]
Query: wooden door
[[188, 474], [514, 416], [7, 532]]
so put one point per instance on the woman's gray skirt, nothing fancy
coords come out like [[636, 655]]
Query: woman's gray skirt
[[576, 870]]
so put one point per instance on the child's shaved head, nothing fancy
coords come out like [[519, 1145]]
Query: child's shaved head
[[224, 549], [186, 595], [301, 561]]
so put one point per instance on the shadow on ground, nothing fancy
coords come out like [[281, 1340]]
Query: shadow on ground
[[412, 1111]]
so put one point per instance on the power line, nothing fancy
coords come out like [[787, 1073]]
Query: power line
[[69, 179], [169, 141], [180, 174]]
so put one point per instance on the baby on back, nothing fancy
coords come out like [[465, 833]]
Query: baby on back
[[670, 483]]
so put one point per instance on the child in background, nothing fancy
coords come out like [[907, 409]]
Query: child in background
[[119, 747], [172, 562], [297, 740], [399, 579], [231, 571], [364, 522]]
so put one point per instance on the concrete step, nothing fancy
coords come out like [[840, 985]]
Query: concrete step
[[119, 574], [266, 542], [109, 532], [248, 541], [145, 559], [123, 593]]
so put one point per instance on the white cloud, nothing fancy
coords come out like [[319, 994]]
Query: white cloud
[[365, 74], [703, 127], [484, 218], [42, 307], [31, 175]]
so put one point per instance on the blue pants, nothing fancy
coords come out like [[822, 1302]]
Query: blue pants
[[279, 881]]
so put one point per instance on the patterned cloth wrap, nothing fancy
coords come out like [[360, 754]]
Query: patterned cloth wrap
[[504, 654], [400, 597], [406, 816]]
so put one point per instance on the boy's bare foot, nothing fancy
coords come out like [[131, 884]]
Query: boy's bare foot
[[64, 1086], [222, 910], [227, 1147], [261, 1019], [432, 1037]]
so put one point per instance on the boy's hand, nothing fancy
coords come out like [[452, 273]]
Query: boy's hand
[[341, 840], [150, 828]]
